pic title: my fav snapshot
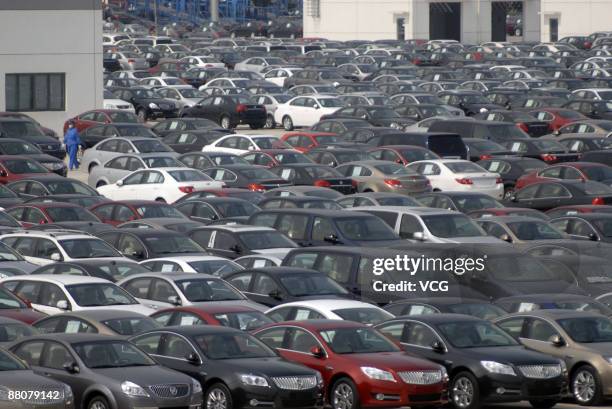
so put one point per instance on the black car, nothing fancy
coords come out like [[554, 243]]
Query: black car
[[273, 286], [229, 111], [492, 130], [334, 156], [217, 208], [147, 103], [376, 115], [463, 202], [299, 202], [315, 175], [529, 124], [591, 108], [235, 369], [364, 134], [547, 150], [141, 244], [28, 131], [531, 302], [98, 133], [418, 112], [471, 102], [109, 270], [50, 185], [8, 198], [475, 307], [479, 149], [167, 126], [102, 369], [81, 200], [589, 226], [548, 195], [510, 169], [598, 156], [485, 364], [191, 141], [252, 177], [15, 146], [585, 142], [339, 126]]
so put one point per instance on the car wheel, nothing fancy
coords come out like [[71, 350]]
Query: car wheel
[[142, 115], [226, 122], [270, 124], [586, 386], [160, 200], [344, 395], [464, 392], [257, 126], [508, 192], [543, 404], [100, 183], [287, 123], [91, 166], [98, 402], [218, 397]]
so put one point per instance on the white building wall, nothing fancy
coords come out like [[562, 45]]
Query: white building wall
[[55, 41]]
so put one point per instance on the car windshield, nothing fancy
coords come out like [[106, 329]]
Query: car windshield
[[162, 162], [233, 346], [99, 295], [587, 330], [9, 301], [291, 157], [88, 248], [10, 363], [145, 146], [322, 172], [119, 269], [356, 341], [395, 170], [365, 229], [257, 174], [70, 214], [145, 93], [464, 167], [18, 148], [519, 269], [16, 129], [482, 311], [208, 289], [271, 143], [470, 334], [20, 166], [188, 175], [236, 209], [215, 267], [165, 244], [125, 117], [260, 240], [367, 316], [228, 160], [330, 103], [243, 320], [137, 130], [131, 326], [191, 93], [60, 187], [111, 354], [8, 254], [534, 230], [449, 226], [300, 285]]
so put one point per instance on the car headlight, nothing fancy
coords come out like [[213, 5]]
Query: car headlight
[[444, 374], [131, 389], [153, 105], [394, 125], [253, 380], [498, 368], [196, 386], [379, 374]]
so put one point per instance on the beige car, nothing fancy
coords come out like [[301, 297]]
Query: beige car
[[384, 176], [105, 322], [582, 339]]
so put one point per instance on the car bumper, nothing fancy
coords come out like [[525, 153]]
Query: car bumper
[[163, 113], [381, 394], [503, 388], [273, 397], [188, 402]]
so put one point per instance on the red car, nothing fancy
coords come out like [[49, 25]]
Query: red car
[[14, 307], [305, 140], [14, 167], [115, 213], [575, 209], [101, 116], [359, 365], [235, 316], [597, 172], [402, 154], [557, 117], [275, 157], [31, 214]]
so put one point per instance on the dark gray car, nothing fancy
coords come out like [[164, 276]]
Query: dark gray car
[[107, 372]]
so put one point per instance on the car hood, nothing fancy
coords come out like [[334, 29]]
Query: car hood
[[139, 308], [398, 361], [25, 379], [272, 366], [26, 315], [245, 303], [517, 355], [143, 375]]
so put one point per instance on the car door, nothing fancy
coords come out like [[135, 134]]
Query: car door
[[300, 342], [161, 295], [131, 246], [537, 334], [265, 290], [133, 187], [138, 288], [173, 352], [225, 244], [416, 338], [50, 299]]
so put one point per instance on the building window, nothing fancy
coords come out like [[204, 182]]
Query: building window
[[314, 8], [35, 92]]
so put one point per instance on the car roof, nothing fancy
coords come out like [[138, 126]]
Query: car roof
[[329, 304], [102, 315], [193, 330], [425, 211], [553, 314], [439, 318], [61, 279]]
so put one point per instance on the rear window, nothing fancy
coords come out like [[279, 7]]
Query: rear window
[[188, 175], [595, 188], [464, 167], [448, 145], [363, 315]]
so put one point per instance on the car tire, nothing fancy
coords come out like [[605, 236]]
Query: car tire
[[586, 386], [288, 123], [257, 126], [100, 183], [226, 122], [91, 166], [160, 200], [218, 396], [98, 402], [270, 124], [464, 392], [344, 395], [142, 115], [543, 404]]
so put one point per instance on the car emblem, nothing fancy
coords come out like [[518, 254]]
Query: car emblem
[[173, 391], [300, 383]]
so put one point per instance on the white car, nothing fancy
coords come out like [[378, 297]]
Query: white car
[[241, 83], [305, 110], [240, 144], [257, 64], [271, 102], [203, 61], [56, 293], [110, 102], [279, 75], [159, 82], [212, 265], [46, 247], [457, 175], [167, 184], [331, 309]]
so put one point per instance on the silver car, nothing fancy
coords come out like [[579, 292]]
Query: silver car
[[183, 97], [130, 61], [123, 165]]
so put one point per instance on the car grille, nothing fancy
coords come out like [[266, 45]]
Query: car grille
[[540, 371], [295, 383], [170, 391], [421, 377]]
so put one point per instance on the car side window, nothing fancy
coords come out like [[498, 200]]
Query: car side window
[[552, 172], [420, 335], [176, 347], [393, 330], [322, 228], [293, 226], [301, 341], [264, 284], [138, 287], [552, 190], [187, 318], [56, 356], [23, 245], [241, 281], [527, 193], [337, 267], [539, 330], [149, 343], [161, 291], [492, 229], [30, 352], [513, 326], [408, 226], [51, 294], [49, 325], [45, 249], [274, 337]]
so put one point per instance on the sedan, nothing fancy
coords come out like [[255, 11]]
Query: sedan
[[121, 166], [105, 322], [191, 141], [486, 364], [548, 195], [33, 213], [13, 168], [475, 307], [217, 208], [305, 110], [384, 176], [463, 202], [376, 115], [97, 133], [275, 157], [100, 116], [402, 154], [226, 315], [534, 302], [597, 172], [102, 369], [350, 310], [377, 199], [229, 111], [168, 126], [14, 146], [49, 185], [589, 226], [14, 307], [116, 213], [110, 148], [236, 369], [549, 151], [192, 264], [11, 330], [240, 144], [161, 184], [111, 270], [315, 175], [518, 229], [251, 177]]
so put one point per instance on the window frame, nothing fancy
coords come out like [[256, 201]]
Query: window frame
[[13, 104]]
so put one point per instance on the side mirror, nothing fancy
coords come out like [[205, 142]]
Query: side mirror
[[56, 257], [62, 305], [438, 347], [174, 300], [418, 235], [119, 182], [332, 238], [506, 237], [193, 358], [593, 237], [317, 352], [557, 341], [72, 367], [236, 249], [276, 295]]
